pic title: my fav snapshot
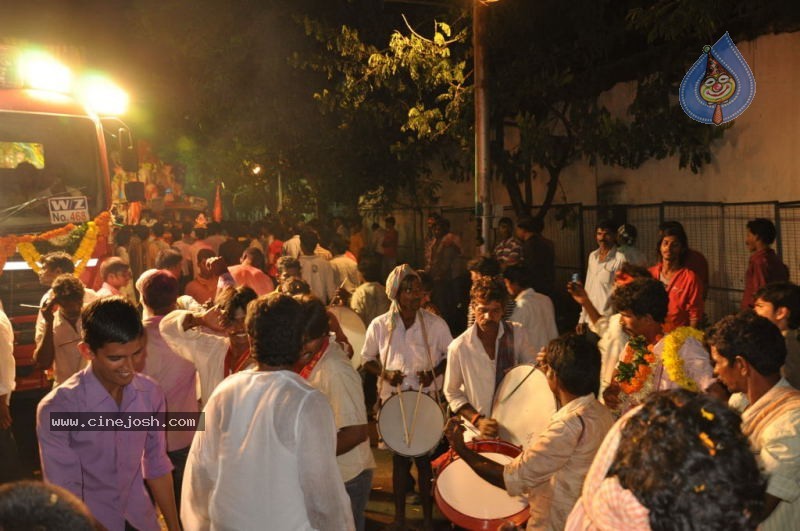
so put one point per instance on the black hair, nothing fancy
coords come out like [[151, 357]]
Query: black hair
[[113, 266], [636, 271], [256, 257], [338, 245], [517, 274], [754, 338], [294, 286], [488, 289], [763, 229], [158, 229], [315, 317], [123, 236], [26, 505], [308, 241], [389, 220], [369, 266], [685, 458], [576, 363], [508, 222], [159, 291], [643, 296], [485, 266], [168, 258], [231, 299], [275, 325], [110, 320], [783, 295], [68, 288], [678, 232], [426, 279], [606, 224], [627, 234], [58, 260]]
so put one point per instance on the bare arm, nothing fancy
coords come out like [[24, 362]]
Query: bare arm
[[349, 437], [164, 496], [45, 348]]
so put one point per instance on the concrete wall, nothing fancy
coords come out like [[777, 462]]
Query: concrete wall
[[758, 159]]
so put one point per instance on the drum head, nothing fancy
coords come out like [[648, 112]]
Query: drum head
[[471, 502], [353, 327], [425, 430], [523, 405]]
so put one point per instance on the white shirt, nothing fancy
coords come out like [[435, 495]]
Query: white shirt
[[600, 280], [266, 459], [202, 347], [369, 300], [345, 270], [778, 453], [408, 351], [696, 365], [335, 377], [469, 377], [319, 274], [613, 340], [551, 471], [67, 359], [534, 311], [177, 377], [7, 362], [291, 247]]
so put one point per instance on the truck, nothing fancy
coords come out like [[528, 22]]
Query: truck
[[54, 170]]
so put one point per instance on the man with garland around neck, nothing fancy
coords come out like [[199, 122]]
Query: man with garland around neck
[[677, 359], [748, 352]]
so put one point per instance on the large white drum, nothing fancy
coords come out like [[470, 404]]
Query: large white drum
[[424, 423], [523, 405], [353, 327], [470, 502]]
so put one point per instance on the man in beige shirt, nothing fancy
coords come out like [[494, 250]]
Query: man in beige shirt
[[551, 471]]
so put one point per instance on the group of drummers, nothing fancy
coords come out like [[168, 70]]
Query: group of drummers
[[502, 399]]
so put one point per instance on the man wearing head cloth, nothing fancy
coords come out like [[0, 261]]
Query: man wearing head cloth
[[406, 348]]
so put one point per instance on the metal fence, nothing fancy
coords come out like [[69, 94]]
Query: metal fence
[[715, 229]]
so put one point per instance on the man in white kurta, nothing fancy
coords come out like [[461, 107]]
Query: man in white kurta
[[532, 310], [405, 348], [266, 459], [268, 448]]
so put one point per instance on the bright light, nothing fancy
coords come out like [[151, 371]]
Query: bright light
[[102, 96], [39, 70], [256, 169]]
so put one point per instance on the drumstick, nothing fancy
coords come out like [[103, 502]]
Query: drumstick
[[414, 418], [518, 385], [403, 415]]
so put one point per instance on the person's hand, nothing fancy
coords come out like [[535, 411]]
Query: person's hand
[[611, 396], [217, 265], [49, 310], [488, 427], [426, 378], [211, 318], [394, 378], [342, 297], [454, 432], [5, 415], [540, 358], [578, 292]]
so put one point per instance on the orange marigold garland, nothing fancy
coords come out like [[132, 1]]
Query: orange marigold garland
[[98, 228], [635, 366]]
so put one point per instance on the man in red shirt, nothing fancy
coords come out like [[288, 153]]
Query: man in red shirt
[[764, 266]]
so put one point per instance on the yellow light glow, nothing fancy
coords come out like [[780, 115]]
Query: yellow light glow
[[39, 70], [102, 96], [256, 169]]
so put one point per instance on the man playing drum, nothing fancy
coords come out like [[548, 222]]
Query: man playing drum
[[551, 471], [405, 348], [479, 358]]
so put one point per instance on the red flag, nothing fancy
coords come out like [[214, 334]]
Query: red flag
[[217, 214]]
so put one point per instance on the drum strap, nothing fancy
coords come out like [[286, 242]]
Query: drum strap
[[505, 354]]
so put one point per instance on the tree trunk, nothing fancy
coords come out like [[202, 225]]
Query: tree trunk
[[521, 208], [552, 186]]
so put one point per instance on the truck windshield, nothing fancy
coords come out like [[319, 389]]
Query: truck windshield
[[41, 156]]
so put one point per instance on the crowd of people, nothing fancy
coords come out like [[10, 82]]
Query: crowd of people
[[661, 419]]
